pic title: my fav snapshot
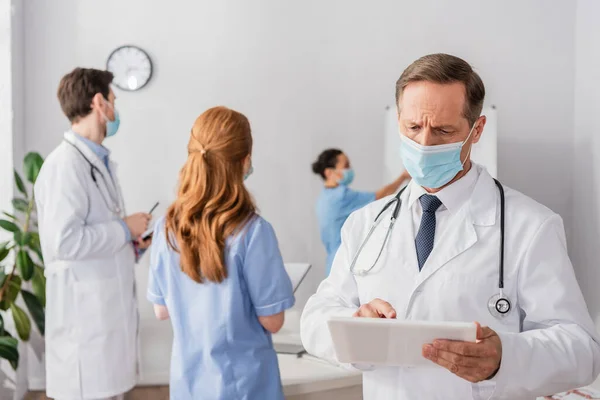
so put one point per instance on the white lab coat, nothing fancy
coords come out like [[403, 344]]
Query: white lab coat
[[549, 341], [91, 312]]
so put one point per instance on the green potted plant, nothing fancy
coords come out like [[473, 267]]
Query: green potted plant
[[21, 265]]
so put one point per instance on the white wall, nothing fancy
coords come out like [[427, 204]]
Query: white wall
[[309, 75], [586, 165], [6, 129], [18, 83], [7, 376], [13, 385]]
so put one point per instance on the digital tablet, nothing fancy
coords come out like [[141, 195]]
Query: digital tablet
[[391, 342]]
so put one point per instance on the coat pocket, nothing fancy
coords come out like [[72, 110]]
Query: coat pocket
[[99, 308]]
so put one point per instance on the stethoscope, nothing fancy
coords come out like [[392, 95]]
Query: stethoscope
[[115, 208], [498, 304]]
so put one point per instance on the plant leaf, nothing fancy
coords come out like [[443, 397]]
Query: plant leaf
[[20, 184], [18, 237], [22, 322], [22, 238], [32, 165], [9, 351], [8, 226], [11, 293], [38, 284], [34, 244], [20, 205], [4, 250], [1, 325], [36, 310], [25, 265], [38, 252], [9, 215]]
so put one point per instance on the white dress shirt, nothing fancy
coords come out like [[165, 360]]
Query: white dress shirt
[[453, 198]]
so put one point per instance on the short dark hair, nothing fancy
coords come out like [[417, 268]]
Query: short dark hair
[[444, 69], [77, 89], [327, 159]]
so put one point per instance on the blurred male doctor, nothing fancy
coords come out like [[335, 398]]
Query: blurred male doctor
[[90, 248]]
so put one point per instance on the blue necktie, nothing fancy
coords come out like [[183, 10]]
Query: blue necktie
[[426, 234]]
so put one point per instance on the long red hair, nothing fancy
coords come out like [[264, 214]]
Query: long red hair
[[212, 201]]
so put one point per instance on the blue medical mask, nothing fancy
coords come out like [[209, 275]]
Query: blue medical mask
[[432, 166], [347, 177], [249, 172], [112, 126]]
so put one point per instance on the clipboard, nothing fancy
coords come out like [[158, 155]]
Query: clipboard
[[146, 235], [297, 272], [391, 342]]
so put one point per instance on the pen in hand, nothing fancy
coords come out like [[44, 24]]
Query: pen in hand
[[153, 208]]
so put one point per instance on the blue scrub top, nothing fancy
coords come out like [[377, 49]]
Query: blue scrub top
[[220, 350], [334, 206]]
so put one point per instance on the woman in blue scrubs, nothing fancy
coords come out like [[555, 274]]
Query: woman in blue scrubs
[[337, 201], [217, 273]]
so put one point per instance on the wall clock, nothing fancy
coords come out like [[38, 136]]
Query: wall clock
[[131, 67]]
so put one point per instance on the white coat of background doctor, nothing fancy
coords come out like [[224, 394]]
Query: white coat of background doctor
[[546, 344], [87, 243]]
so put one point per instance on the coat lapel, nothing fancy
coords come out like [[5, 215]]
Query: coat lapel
[[104, 180], [460, 234]]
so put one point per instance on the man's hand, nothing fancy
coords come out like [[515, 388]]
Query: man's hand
[[137, 223], [376, 309], [474, 362], [144, 244]]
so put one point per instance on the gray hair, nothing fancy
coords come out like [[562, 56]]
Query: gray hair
[[445, 69]]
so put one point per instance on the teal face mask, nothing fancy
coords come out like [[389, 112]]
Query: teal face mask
[[112, 126], [432, 166], [249, 172], [347, 177]]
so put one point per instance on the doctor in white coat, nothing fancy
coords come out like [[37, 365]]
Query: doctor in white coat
[[89, 248], [441, 263]]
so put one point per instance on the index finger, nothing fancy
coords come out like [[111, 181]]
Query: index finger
[[463, 348], [384, 308], [366, 311]]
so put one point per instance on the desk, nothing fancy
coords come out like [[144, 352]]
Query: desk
[[308, 378]]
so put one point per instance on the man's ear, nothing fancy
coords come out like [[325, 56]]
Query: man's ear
[[479, 125], [98, 102]]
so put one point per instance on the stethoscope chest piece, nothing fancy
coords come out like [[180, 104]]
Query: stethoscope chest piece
[[499, 306]]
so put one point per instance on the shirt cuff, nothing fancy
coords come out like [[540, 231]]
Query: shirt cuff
[[275, 308], [140, 254], [502, 377], [155, 299], [127, 231]]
